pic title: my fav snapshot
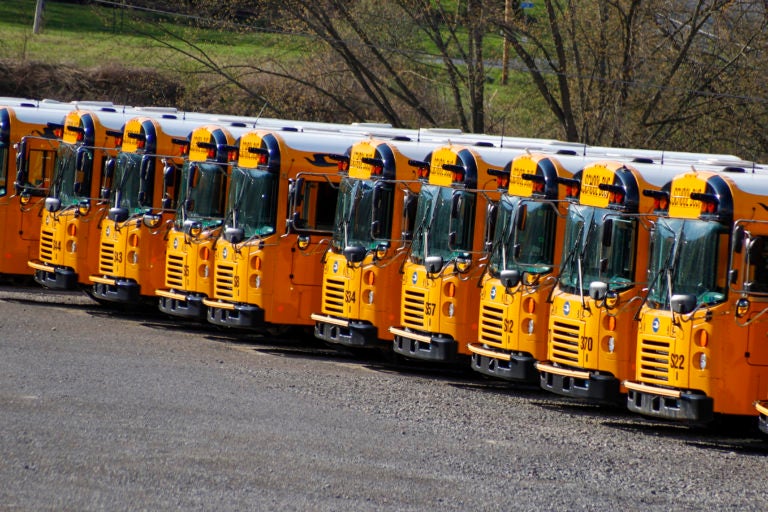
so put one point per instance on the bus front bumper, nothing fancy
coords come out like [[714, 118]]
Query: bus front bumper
[[581, 384], [189, 306], [55, 278], [242, 316], [125, 291], [515, 367], [346, 332], [762, 409], [426, 347], [669, 404]]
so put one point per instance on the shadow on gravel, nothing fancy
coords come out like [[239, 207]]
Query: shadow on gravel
[[731, 435]]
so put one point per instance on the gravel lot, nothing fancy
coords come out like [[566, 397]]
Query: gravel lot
[[116, 411]]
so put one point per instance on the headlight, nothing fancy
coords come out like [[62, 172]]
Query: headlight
[[611, 300], [24, 197], [530, 326], [302, 242], [451, 309], [611, 345], [369, 296]]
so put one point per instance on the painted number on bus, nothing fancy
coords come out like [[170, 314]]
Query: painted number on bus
[[429, 308], [677, 361], [586, 343], [349, 296]]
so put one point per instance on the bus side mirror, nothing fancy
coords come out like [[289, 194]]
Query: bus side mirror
[[598, 290], [457, 201], [490, 225], [410, 202], [296, 192], [522, 217], [509, 278], [738, 239], [683, 303], [433, 264], [169, 176], [608, 233]]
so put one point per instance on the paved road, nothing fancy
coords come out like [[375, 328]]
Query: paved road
[[106, 411]]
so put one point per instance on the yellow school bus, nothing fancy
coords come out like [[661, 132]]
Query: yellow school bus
[[279, 215], [592, 329], [440, 295], [28, 141], [701, 347], [203, 186], [523, 263], [374, 224], [143, 190], [69, 232]]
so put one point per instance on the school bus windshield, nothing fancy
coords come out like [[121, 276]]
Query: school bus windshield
[[72, 178], [251, 202], [685, 259], [599, 245], [129, 192], [525, 235], [362, 214], [201, 193], [445, 219]]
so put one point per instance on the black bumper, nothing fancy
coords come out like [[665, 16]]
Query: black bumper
[[598, 388], [439, 349], [244, 316], [689, 407], [63, 278], [191, 308], [124, 291], [357, 334], [519, 368]]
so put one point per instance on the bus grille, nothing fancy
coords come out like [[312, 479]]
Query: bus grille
[[46, 245], [174, 271], [654, 361], [107, 259], [565, 343], [413, 309], [333, 297], [491, 324], [225, 276]]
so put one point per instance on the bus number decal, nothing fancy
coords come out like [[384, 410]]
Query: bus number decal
[[429, 308], [186, 270], [677, 361], [236, 282], [508, 326], [586, 343], [118, 257], [349, 296]]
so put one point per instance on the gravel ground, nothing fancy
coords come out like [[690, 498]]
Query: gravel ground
[[126, 411]]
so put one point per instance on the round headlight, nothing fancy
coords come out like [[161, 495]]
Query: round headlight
[[369, 296], [611, 300], [703, 361], [24, 197], [530, 326], [195, 229], [611, 345], [451, 309], [302, 242]]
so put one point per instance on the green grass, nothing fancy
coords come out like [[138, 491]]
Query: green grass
[[89, 35]]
